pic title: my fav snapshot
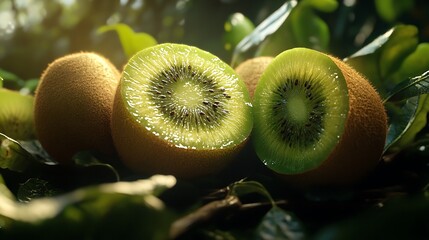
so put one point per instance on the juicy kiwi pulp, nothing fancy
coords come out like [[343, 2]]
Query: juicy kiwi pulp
[[187, 97], [300, 109], [16, 115]]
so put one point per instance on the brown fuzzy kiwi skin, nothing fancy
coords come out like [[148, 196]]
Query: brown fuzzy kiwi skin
[[360, 147], [143, 152], [73, 105], [251, 70]]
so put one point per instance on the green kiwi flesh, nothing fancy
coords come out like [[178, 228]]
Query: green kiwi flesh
[[184, 102], [16, 115], [300, 109]]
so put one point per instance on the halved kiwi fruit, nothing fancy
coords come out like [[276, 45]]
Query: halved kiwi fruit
[[73, 105], [317, 121], [16, 115], [180, 110]]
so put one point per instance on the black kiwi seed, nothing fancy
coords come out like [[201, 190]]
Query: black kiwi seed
[[210, 112], [301, 134]]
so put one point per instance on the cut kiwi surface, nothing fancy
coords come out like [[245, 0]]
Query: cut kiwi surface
[[179, 110], [301, 106], [16, 115], [318, 122]]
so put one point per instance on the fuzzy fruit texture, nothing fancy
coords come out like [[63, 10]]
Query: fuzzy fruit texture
[[361, 146], [251, 70], [73, 105], [180, 110], [361, 143]]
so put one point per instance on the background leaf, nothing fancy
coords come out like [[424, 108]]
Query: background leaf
[[390, 10], [245, 187], [380, 58], [415, 64], [302, 28], [401, 115], [131, 42], [86, 159], [124, 209], [10, 80], [246, 48], [279, 224], [415, 126], [12, 155], [236, 28], [410, 88], [35, 188]]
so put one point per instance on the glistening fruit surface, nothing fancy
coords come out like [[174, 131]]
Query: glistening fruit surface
[[301, 104], [179, 110], [349, 120], [73, 105], [16, 115]]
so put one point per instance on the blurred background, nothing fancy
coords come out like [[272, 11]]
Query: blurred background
[[35, 32]]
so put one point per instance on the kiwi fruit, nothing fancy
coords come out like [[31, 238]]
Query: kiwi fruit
[[317, 122], [73, 105], [180, 110], [16, 115], [251, 70]]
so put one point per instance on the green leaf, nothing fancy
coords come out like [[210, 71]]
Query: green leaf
[[390, 10], [417, 63], [236, 28], [37, 152], [12, 155], [401, 115], [279, 224], [131, 41], [373, 46], [247, 47], [245, 187], [415, 126], [381, 58], [410, 88], [129, 210], [11, 80], [322, 5], [1, 82], [86, 159], [301, 27], [403, 42], [35, 188], [309, 30], [30, 86]]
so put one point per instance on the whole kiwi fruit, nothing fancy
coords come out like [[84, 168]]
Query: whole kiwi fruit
[[180, 110], [318, 122], [73, 105], [16, 115], [251, 70]]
